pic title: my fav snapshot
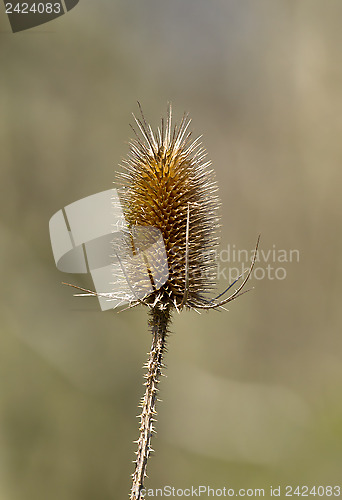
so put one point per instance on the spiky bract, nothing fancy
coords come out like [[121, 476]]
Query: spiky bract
[[166, 184]]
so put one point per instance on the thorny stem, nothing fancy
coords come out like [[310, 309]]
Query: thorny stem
[[159, 321]]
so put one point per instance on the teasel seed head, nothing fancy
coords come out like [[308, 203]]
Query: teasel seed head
[[167, 184]]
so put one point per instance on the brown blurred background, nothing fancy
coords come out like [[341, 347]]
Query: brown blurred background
[[252, 396]]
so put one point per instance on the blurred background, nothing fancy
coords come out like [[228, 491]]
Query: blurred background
[[252, 397]]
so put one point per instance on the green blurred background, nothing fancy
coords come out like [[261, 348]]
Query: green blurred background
[[252, 396]]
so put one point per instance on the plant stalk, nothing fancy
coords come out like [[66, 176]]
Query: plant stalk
[[159, 321]]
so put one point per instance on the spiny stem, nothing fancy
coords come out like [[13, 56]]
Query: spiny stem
[[159, 320]]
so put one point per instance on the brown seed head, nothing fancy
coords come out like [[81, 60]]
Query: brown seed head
[[167, 184]]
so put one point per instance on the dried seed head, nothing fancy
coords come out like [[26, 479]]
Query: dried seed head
[[167, 184]]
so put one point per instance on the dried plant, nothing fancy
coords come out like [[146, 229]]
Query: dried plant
[[167, 184]]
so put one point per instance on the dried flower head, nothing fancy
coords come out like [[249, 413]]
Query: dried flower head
[[167, 184]]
